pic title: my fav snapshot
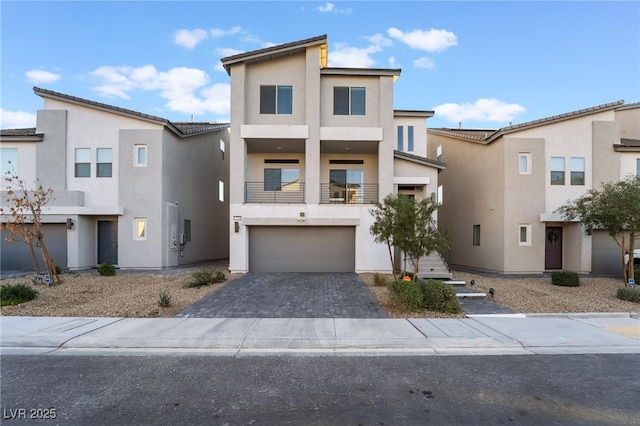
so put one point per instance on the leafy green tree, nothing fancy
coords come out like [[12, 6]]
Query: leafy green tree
[[614, 208]]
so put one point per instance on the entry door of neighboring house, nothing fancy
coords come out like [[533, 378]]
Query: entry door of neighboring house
[[107, 241], [553, 248]]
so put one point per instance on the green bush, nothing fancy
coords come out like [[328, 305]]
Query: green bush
[[107, 269], [565, 278], [165, 300], [16, 294], [632, 294], [379, 280], [203, 277], [440, 297], [407, 293]]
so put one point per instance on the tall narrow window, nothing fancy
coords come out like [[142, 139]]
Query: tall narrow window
[[104, 162], [400, 138], [476, 235], [187, 230], [358, 100], [276, 99], [140, 155], [440, 195], [577, 170], [557, 170], [8, 161], [525, 235], [83, 162], [222, 149], [638, 167], [139, 228], [349, 100], [524, 163], [439, 153], [410, 138], [221, 191]]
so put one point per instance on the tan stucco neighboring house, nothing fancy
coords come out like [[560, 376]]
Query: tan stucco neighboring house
[[129, 188], [313, 147], [502, 188]]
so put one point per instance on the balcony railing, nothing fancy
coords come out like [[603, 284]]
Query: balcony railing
[[267, 192], [348, 193]]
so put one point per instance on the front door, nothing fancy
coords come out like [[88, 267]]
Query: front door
[[553, 248], [107, 242]]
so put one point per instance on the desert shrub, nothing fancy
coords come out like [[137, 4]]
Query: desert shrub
[[164, 301], [440, 297], [565, 278], [379, 280], [203, 277], [16, 294], [632, 294], [407, 293], [58, 270], [107, 269]]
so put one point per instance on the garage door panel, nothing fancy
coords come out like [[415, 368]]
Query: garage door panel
[[301, 249]]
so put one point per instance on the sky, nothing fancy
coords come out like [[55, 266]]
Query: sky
[[478, 64]]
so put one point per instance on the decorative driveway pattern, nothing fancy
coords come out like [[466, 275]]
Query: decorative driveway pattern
[[289, 295]]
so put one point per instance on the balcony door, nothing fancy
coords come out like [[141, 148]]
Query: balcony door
[[346, 186]]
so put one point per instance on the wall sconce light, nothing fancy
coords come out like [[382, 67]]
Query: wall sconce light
[[236, 226], [69, 223]]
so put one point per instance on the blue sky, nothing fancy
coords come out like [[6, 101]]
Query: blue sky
[[485, 64]]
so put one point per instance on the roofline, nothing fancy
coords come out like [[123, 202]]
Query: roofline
[[394, 72], [413, 113], [419, 160]]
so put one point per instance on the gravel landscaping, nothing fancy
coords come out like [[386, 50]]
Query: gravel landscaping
[[130, 294]]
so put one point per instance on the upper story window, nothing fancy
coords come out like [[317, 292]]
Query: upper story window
[[221, 191], [104, 162], [83, 162], [8, 161], [557, 170], [139, 155], [400, 138], [349, 100], [439, 153], [276, 99], [281, 179], [222, 147], [524, 163], [410, 138], [577, 170]]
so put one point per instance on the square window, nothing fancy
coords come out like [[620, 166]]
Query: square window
[[524, 163], [577, 170], [140, 228], [349, 100], [476, 235], [83, 162], [276, 99], [557, 170], [103, 162], [140, 155]]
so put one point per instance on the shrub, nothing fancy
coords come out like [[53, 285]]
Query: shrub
[[440, 297], [407, 293], [565, 278], [165, 300], [58, 270], [632, 294], [16, 294], [107, 269], [379, 280], [202, 278]]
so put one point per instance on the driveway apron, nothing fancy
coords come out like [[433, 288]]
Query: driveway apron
[[289, 295]]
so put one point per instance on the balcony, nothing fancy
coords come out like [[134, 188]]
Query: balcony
[[348, 193], [266, 192]]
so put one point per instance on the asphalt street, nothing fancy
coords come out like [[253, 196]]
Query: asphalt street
[[581, 390]]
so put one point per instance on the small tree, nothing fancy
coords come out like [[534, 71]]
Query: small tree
[[614, 208], [25, 210]]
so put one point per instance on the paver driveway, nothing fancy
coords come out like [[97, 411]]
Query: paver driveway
[[289, 295]]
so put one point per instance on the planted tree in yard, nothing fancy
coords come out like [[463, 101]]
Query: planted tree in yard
[[25, 211], [614, 208]]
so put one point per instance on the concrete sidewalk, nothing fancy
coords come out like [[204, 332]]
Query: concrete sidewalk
[[594, 333]]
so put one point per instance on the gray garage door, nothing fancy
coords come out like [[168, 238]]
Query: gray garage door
[[17, 256], [302, 249]]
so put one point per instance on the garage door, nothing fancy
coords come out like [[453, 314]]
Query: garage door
[[16, 256], [302, 249]]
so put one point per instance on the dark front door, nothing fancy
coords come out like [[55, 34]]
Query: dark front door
[[107, 242], [553, 248]]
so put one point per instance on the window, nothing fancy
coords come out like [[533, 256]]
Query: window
[[281, 179], [557, 170], [400, 138], [524, 163], [139, 228], [221, 191], [638, 167], [103, 162], [476, 235], [439, 153], [221, 149], [349, 100], [577, 170], [83, 162], [346, 186], [8, 161], [525, 235], [276, 99], [439, 198], [410, 138], [139, 155]]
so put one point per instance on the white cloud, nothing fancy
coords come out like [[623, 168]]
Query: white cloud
[[327, 7], [331, 8], [392, 62], [219, 32], [352, 57], [379, 40], [16, 119], [40, 76], [431, 41], [482, 110], [424, 62], [189, 38]]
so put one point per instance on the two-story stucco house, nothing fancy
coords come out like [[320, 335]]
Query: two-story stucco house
[[312, 148], [502, 188], [129, 188]]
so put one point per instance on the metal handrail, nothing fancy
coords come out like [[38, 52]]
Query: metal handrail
[[267, 192], [348, 193]]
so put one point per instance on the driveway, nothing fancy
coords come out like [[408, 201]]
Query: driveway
[[289, 295]]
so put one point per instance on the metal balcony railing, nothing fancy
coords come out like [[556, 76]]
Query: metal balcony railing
[[348, 193], [268, 192]]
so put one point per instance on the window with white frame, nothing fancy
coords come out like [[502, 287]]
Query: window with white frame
[[221, 191], [8, 161], [140, 228], [222, 147], [83, 162], [140, 155], [104, 162], [439, 153], [524, 234], [524, 163], [577, 170], [349, 100], [557, 170], [276, 99]]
